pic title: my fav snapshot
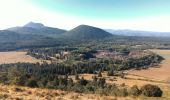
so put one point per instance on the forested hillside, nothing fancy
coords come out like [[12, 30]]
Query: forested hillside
[[85, 32], [14, 41]]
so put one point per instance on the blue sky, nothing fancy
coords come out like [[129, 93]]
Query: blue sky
[[112, 9], [149, 15]]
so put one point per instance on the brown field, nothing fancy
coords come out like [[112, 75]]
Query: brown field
[[15, 57], [162, 73]]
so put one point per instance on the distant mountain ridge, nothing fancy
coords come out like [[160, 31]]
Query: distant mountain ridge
[[81, 32], [34, 25], [38, 35], [37, 29], [138, 33]]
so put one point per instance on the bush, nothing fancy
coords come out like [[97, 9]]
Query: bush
[[151, 91], [99, 74], [102, 91], [101, 82], [90, 88], [134, 90], [82, 81], [110, 73], [78, 88], [50, 84], [77, 77], [122, 92], [18, 89], [32, 83]]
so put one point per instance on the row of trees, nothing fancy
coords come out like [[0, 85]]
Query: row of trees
[[89, 66]]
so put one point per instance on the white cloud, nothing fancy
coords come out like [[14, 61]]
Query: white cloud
[[20, 12]]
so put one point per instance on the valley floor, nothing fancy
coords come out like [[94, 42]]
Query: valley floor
[[159, 76]]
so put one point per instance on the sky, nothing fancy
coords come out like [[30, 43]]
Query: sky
[[147, 15]]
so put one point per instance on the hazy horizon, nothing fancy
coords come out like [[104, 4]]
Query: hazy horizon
[[145, 15]]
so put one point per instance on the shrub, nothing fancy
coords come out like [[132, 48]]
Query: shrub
[[151, 91], [101, 82], [122, 92], [82, 81], [18, 89], [78, 88], [99, 74], [102, 91], [90, 87], [113, 90], [50, 84], [123, 85], [110, 73], [135, 91], [32, 83], [77, 77]]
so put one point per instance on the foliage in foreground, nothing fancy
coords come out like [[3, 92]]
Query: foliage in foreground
[[17, 76]]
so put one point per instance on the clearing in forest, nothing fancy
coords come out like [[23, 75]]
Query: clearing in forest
[[15, 57]]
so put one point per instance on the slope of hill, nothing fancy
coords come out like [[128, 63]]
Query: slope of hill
[[84, 32], [26, 93], [138, 33], [38, 29], [12, 40]]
